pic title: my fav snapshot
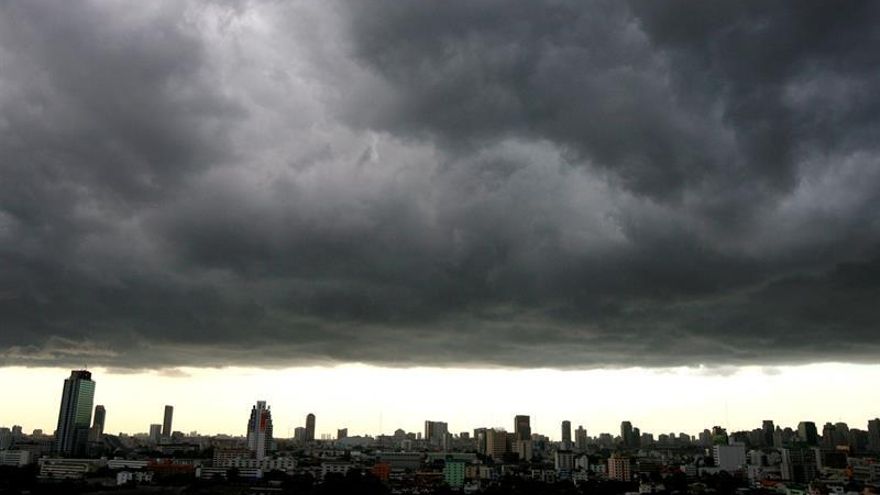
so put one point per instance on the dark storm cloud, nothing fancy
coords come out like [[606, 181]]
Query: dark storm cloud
[[564, 184]]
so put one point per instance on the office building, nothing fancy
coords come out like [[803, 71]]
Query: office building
[[259, 430], [310, 427], [75, 414], [166, 422]]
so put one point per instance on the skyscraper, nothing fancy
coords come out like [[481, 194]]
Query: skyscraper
[[310, 427], [166, 423], [626, 433], [580, 438], [767, 431], [75, 415], [522, 428], [566, 435], [259, 431]]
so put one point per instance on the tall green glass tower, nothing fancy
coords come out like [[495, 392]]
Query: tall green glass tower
[[75, 416]]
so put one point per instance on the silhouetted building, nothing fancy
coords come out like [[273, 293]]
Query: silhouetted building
[[166, 421], [97, 431], [566, 435], [580, 438], [874, 434], [522, 428], [155, 433], [299, 434], [310, 427], [75, 415], [341, 433], [807, 433], [767, 433], [626, 434], [259, 432]]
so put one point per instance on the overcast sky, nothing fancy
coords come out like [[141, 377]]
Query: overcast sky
[[566, 184]]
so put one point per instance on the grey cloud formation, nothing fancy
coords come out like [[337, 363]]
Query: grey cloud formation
[[562, 184]]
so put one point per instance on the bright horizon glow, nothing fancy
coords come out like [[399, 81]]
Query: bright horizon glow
[[369, 400]]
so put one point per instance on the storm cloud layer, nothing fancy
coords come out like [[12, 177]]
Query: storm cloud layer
[[556, 184]]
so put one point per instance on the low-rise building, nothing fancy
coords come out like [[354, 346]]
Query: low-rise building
[[68, 468], [125, 477], [16, 458]]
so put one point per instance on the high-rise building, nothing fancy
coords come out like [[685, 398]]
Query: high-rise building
[[522, 428], [626, 434], [96, 434], [299, 434], [75, 415], [767, 430], [259, 431], [155, 433], [166, 421], [436, 432], [874, 435], [481, 436], [341, 433], [807, 433], [580, 438], [566, 435], [310, 427], [497, 443]]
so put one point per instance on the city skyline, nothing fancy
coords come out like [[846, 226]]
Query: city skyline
[[139, 410], [283, 220]]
